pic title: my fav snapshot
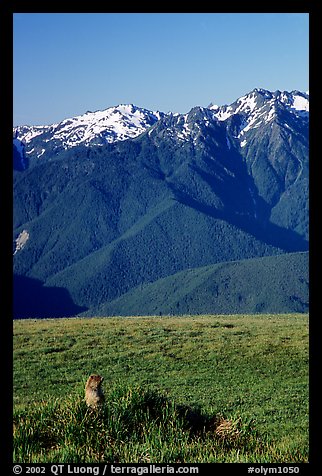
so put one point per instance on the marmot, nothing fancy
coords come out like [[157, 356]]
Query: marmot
[[93, 392]]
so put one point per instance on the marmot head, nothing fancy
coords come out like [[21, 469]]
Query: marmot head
[[94, 381]]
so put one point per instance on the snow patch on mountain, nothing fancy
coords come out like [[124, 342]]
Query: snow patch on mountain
[[31, 132], [118, 123], [21, 241], [300, 103]]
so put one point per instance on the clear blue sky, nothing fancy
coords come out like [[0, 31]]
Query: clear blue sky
[[66, 64]]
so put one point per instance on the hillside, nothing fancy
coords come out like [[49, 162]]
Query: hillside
[[248, 286], [194, 190]]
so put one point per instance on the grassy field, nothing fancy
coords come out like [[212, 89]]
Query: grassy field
[[178, 389]]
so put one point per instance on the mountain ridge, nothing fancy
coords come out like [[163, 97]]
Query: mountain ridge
[[200, 290], [103, 126]]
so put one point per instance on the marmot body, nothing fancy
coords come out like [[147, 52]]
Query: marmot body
[[93, 392]]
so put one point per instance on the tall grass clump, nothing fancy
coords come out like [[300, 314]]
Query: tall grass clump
[[134, 425]]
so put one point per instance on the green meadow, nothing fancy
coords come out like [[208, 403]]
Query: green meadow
[[209, 388]]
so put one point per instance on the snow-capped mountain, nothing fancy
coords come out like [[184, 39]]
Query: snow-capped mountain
[[260, 101], [101, 221], [261, 107], [126, 121], [117, 123], [241, 119]]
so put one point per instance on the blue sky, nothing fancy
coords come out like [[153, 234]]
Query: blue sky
[[66, 64]]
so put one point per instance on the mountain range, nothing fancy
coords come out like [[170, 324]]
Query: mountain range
[[127, 210]]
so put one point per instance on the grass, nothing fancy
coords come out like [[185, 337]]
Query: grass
[[135, 424], [189, 389]]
